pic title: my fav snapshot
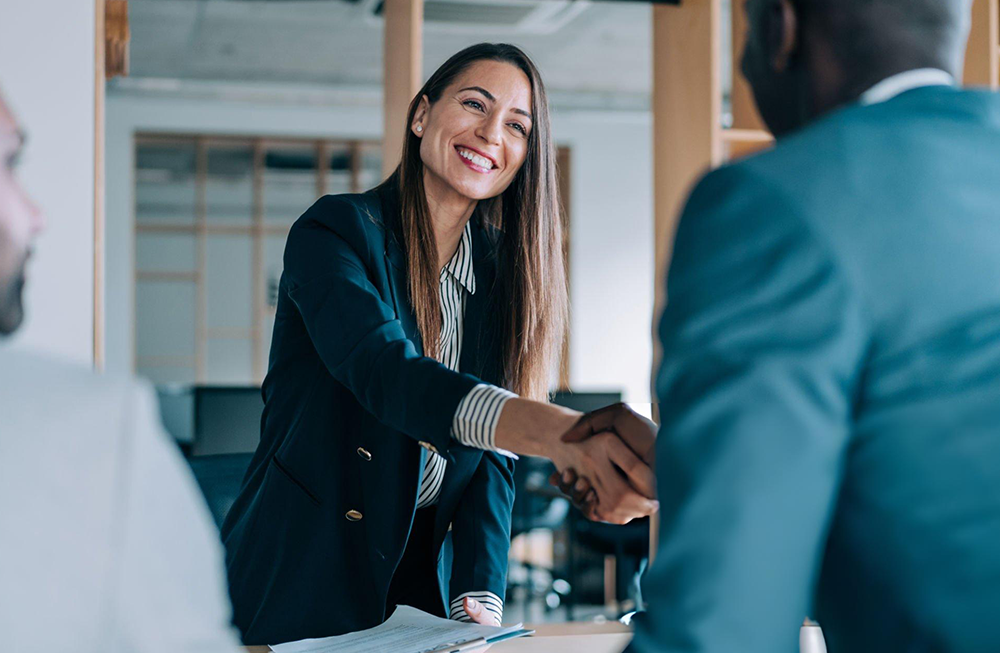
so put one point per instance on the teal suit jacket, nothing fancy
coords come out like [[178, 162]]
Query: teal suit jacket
[[830, 391]]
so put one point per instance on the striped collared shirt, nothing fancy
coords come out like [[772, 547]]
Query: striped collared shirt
[[476, 418]]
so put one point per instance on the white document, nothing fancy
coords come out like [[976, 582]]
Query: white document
[[408, 630]]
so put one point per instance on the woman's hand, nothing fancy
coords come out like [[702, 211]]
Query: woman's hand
[[477, 612]]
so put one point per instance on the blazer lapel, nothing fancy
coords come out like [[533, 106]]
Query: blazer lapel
[[399, 285], [396, 266]]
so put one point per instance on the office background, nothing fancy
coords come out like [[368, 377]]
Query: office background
[[167, 190]]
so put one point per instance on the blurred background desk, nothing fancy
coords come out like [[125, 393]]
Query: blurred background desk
[[609, 637]]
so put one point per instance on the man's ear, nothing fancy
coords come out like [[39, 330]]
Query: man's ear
[[420, 116], [783, 34]]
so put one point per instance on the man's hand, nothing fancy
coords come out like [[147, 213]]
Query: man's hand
[[609, 471], [637, 432], [609, 447]]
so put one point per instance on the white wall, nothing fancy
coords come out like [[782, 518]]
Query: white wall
[[47, 78], [612, 227], [611, 260]]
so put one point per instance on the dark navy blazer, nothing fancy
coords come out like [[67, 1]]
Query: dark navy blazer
[[346, 382]]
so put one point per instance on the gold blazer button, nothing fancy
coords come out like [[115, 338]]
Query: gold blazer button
[[364, 453], [353, 515]]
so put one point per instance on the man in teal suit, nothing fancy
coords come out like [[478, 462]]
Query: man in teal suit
[[830, 387]]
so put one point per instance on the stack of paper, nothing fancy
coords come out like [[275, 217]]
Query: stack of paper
[[408, 630]]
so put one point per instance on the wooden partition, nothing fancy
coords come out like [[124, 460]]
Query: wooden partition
[[982, 58], [687, 128], [403, 62]]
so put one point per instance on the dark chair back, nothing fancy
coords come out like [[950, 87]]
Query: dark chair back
[[220, 478], [536, 503], [227, 420], [585, 401]]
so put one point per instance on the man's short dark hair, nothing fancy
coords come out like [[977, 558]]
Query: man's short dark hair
[[923, 33]]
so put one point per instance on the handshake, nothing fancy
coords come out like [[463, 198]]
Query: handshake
[[604, 459]]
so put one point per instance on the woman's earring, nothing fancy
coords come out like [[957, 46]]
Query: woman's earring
[[420, 128]]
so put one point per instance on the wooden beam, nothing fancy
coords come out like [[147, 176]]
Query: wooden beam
[[744, 107], [402, 61], [201, 257], [687, 108], [744, 142], [116, 38], [211, 229], [687, 131], [982, 56]]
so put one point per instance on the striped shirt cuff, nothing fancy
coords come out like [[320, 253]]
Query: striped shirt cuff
[[488, 600], [475, 421]]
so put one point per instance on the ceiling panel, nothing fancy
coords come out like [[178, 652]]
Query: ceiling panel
[[603, 49]]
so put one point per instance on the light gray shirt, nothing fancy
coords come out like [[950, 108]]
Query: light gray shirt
[[105, 542]]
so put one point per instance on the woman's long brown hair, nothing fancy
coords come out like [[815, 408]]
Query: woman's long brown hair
[[530, 293]]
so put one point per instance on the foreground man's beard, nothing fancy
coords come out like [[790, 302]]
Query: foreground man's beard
[[11, 302]]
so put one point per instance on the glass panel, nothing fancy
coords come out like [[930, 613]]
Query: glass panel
[[371, 166], [289, 182], [165, 183], [229, 361], [165, 320], [156, 252], [160, 375], [229, 185], [228, 281], [338, 175]]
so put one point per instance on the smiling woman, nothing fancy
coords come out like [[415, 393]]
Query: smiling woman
[[407, 319]]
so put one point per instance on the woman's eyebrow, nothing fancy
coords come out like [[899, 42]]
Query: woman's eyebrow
[[489, 96]]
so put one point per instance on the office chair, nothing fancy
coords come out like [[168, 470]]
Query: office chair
[[536, 506], [210, 420], [626, 547], [584, 402]]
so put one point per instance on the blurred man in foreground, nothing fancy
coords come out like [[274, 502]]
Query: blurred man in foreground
[[830, 391], [105, 543]]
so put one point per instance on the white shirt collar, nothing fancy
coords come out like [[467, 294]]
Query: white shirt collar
[[907, 81]]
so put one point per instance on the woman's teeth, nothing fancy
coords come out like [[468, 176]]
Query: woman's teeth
[[480, 161]]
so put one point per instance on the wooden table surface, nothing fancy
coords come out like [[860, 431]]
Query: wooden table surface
[[575, 637]]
